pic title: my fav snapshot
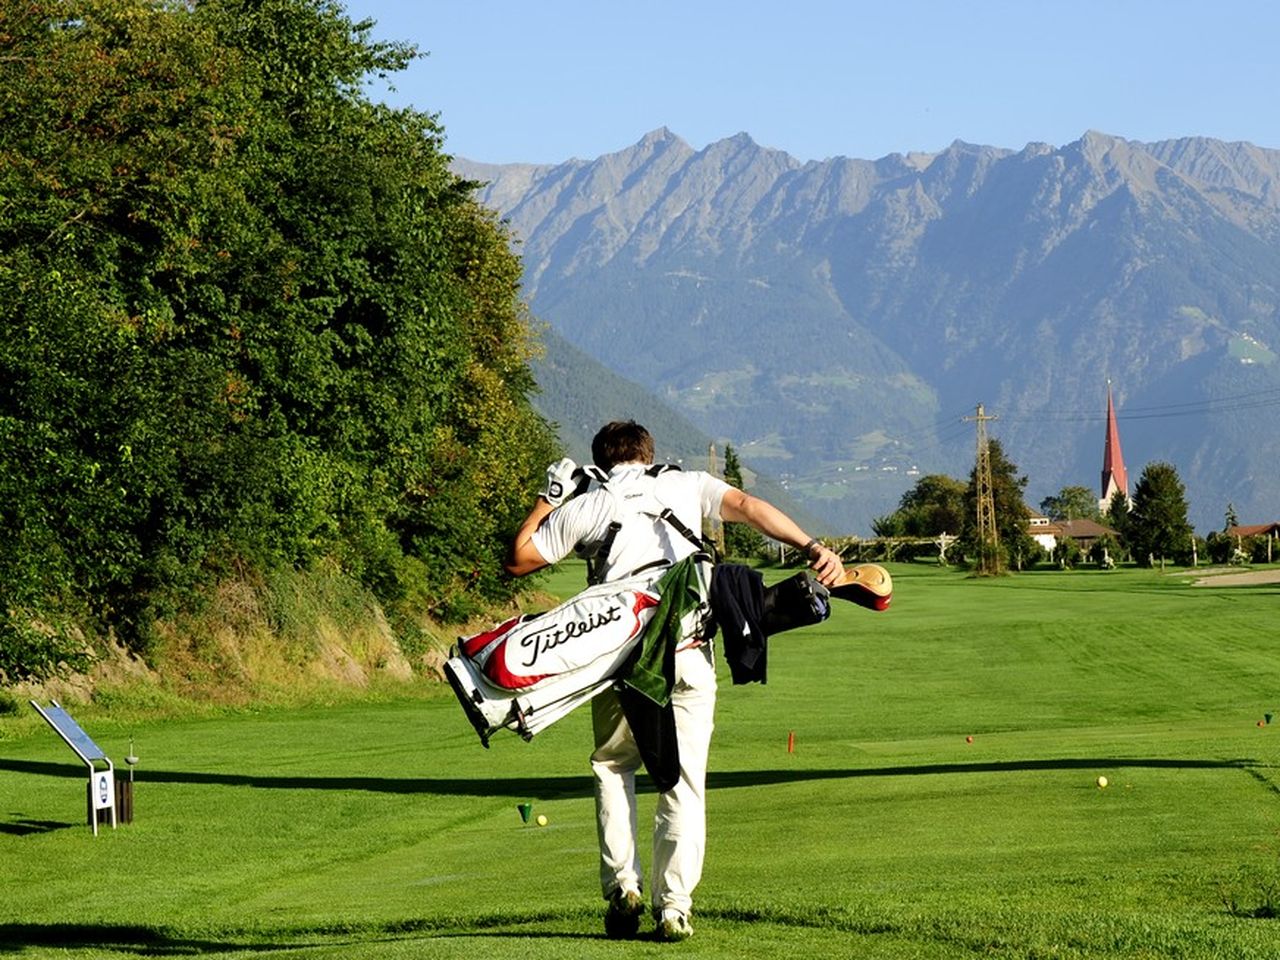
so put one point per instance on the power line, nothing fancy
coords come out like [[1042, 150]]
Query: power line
[[1229, 404], [941, 436]]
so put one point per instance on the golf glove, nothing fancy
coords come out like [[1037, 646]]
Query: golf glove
[[563, 481]]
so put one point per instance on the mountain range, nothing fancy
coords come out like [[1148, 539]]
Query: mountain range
[[837, 320]]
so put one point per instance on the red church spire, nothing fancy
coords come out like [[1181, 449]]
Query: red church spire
[[1114, 477]]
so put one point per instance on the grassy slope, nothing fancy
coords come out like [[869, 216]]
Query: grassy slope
[[383, 830]]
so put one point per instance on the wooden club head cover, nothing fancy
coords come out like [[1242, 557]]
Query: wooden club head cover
[[866, 584]]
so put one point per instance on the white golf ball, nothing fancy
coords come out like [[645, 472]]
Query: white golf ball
[[1102, 782], [542, 820]]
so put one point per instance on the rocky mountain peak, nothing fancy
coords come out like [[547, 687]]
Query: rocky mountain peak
[[833, 319]]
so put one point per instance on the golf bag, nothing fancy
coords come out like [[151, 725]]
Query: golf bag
[[527, 673]]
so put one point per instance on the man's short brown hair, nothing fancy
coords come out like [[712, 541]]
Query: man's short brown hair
[[622, 441]]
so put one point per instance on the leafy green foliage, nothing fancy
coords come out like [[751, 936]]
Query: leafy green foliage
[[1067, 553], [1071, 503], [740, 539], [249, 316], [29, 648], [1219, 547], [1106, 551], [1157, 525], [935, 505]]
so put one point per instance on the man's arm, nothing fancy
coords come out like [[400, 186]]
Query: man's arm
[[523, 557], [564, 481], [740, 507]]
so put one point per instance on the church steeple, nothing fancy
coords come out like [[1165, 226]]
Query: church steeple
[[1114, 477]]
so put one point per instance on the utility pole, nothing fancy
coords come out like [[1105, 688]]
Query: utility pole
[[988, 540]]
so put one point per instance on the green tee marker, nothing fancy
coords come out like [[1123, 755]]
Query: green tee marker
[[525, 809], [1267, 717]]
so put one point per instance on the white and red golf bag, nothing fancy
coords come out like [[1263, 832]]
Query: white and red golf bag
[[530, 671]]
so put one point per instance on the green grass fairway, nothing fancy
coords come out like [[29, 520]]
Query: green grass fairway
[[385, 831]]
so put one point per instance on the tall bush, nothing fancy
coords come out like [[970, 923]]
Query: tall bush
[[249, 317]]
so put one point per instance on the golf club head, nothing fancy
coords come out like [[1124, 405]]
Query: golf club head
[[866, 584]]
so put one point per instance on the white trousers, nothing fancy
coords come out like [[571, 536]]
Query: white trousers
[[680, 822]]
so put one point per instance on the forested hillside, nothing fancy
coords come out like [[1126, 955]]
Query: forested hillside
[[579, 394], [251, 321]]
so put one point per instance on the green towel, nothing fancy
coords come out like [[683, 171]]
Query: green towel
[[654, 671]]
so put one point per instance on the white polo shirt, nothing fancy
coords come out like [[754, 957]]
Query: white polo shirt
[[633, 498]]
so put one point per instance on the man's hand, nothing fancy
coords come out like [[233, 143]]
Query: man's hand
[[826, 564], [562, 480]]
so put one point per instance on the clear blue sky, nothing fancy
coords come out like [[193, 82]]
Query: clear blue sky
[[547, 80]]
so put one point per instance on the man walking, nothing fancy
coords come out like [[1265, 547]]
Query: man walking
[[636, 520]]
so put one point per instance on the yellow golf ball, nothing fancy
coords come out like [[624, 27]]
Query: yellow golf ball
[[542, 820], [1102, 782]]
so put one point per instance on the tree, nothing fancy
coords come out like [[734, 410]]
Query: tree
[[740, 539], [887, 525], [1066, 553], [1071, 503], [1219, 547], [1016, 545], [1105, 551], [1157, 524], [1230, 519], [935, 505], [250, 318]]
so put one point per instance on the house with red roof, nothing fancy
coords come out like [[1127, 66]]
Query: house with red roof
[[1084, 532], [1255, 530], [1242, 532]]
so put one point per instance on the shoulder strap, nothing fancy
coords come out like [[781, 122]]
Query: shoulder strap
[[598, 563], [678, 525]]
